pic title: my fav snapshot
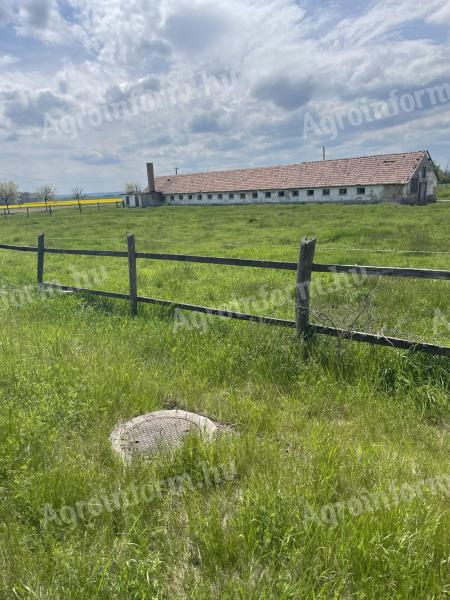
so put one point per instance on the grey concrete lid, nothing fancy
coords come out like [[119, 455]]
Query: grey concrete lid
[[158, 430]]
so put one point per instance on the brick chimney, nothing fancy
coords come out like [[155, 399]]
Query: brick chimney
[[150, 177]]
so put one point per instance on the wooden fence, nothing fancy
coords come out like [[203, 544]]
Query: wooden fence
[[9, 209], [303, 268]]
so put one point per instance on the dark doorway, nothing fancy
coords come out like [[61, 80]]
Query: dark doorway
[[423, 191]]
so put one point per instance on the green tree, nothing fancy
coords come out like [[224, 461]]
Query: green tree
[[443, 174]]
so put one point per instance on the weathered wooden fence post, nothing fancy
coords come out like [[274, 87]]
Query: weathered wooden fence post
[[132, 274], [302, 292], [40, 260]]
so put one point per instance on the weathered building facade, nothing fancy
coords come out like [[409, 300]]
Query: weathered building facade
[[407, 177]]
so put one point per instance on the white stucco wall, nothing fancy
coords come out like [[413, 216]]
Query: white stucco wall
[[430, 178], [132, 199], [373, 193]]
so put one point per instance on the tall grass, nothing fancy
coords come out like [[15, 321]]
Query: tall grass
[[310, 428]]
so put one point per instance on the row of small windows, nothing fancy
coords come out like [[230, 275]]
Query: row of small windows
[[281, 194]]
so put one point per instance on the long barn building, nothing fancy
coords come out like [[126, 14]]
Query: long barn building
[[406, 177]]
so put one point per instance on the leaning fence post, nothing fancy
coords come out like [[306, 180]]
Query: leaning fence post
[[132, 274], [40, 260], [302, 291]]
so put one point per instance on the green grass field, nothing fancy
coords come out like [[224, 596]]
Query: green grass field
[[443, 192], [331, 444]]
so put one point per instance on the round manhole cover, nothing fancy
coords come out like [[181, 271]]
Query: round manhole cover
[[158, 430]]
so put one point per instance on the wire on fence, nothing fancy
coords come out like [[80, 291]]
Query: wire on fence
[[304, 269]]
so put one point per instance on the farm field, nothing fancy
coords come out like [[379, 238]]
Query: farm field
[[443, 192], [63, 203], [313, 429]]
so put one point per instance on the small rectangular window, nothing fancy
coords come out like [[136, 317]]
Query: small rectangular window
[[220, 196], [172, 197], [210, 196], [424, 172], [326, 192], [361, 191], [199, 197], [242, 196], [414, 185], [254, 194], [342, 191], [190, 196], [231, 196], [310, 192], [180, 197], [295, 193], [268, 194], [280, 194]]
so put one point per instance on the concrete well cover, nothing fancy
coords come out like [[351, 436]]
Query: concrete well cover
[[154, 431]]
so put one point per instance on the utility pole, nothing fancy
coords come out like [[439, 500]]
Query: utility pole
[[323, 152], [176, 170]]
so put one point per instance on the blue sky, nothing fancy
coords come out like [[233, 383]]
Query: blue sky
[[90, 90]]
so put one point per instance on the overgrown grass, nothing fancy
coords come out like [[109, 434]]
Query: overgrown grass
[[444, 191], [313, 427]]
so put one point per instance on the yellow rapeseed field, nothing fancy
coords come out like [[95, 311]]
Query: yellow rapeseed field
[[61, 203]]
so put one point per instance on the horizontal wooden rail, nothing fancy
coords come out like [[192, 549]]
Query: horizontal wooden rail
[[236, 262], [304, 268], [381, 340], [220, 312], [18, 248], [356, 336], [382, 271], [245, 262]]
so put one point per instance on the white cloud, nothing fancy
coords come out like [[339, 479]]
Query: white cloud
[[42, 19], [27, 109], [289, 58], [8, 59], [440, 14]]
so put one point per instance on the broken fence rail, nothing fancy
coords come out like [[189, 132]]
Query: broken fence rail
[[304, 269]]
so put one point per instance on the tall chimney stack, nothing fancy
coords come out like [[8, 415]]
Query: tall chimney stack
[[150, 177]]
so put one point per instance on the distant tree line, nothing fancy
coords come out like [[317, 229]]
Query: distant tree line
[[443, 174], [11, 194]]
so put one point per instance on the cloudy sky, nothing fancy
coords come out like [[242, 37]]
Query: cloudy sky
[[90, 90]]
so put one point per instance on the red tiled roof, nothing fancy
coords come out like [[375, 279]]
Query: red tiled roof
[[365, 170]]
